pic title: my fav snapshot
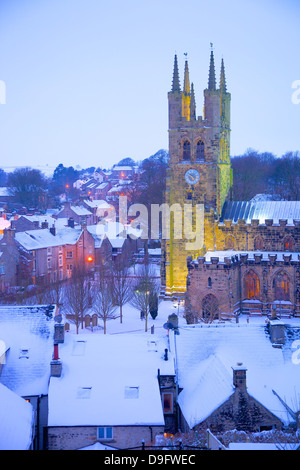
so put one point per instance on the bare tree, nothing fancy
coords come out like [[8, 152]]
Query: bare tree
[[122, 283], [104, 304], [77, 297], [144, 288]]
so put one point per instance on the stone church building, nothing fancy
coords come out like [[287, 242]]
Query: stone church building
[[249, 260]]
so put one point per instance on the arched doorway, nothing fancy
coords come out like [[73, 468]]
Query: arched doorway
[[210, 307]]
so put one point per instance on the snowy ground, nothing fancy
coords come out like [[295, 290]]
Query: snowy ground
[[133, 324]]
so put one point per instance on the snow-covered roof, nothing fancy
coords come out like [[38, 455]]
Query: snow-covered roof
[[251, 255], [261, 210], [4, 192], [98, 446], [16, 421], [27, 333], [43, 238], [79, 210], [122, 168], [108, 380], [60, 222], [206, 355], [102, 186], [4, 223], [101, 203]]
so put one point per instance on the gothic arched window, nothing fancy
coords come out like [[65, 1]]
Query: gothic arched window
[[186, 154], [288, 244], [200, 150], [251, 285], [281, 285], [229, 243], [258, 243]]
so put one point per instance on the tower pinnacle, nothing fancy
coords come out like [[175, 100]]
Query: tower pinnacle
[[222, 78], [186, 86], [212, 75], [175, 83]]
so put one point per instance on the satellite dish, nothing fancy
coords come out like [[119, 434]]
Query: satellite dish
[[168, 326]]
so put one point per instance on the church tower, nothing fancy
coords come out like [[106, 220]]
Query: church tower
[[199, 171]]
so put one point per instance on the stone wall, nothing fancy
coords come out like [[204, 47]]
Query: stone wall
[[77, 437]]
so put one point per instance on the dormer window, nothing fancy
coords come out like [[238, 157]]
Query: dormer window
[[24, 354]]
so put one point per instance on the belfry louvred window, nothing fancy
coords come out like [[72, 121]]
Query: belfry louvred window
[[251, 285], [186, 155], [200, 150]]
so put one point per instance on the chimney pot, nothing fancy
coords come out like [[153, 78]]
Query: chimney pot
[[55, 353], [53, 230], [239, 376]]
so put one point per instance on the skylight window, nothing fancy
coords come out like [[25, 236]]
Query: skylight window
[[131, 392], [78, 348], [84, 392]]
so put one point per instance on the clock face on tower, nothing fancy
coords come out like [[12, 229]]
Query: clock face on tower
[[192, 176]]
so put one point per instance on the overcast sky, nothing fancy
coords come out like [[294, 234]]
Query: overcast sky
[[87, 81]]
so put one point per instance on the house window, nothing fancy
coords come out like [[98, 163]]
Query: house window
[[60, 260], [69, 254], [200, 150], [167, 399], [251, 285], [49, 263], [281, 284], [2, 269], [105, 432], [186, 155], [49, 251], [209, 282]]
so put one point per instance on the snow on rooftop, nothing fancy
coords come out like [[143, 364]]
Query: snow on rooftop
[[251, 255], [79, 210], [27, 333], [122, 168], [43, 238], [112, 382], [16, 421], [206, 356], [98, 203], [4, 223]]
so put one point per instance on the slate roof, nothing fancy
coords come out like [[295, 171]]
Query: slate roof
[[207, 353], [109, 381], [43, 238], [16, 421], [26, 333], [261, 210]]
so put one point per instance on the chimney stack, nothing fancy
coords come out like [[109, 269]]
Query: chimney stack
[[71, 222], [239, 376], [55, 365], [44, 224], [53, 230]]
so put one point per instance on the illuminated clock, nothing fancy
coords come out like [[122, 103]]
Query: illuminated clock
[[192, 176]]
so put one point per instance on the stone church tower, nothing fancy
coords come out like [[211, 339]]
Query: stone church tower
[[199, 172]]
